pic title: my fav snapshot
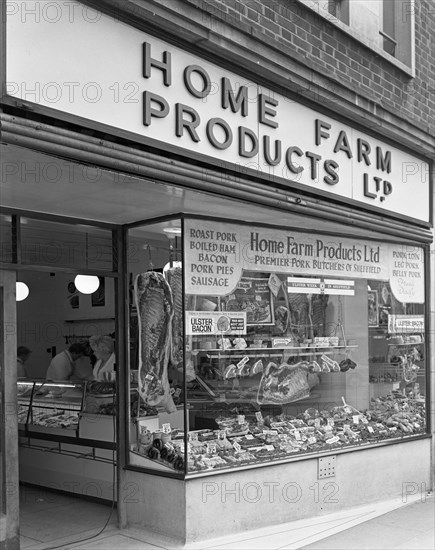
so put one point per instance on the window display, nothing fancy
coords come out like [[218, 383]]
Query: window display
[[293, 343], [157, 347]]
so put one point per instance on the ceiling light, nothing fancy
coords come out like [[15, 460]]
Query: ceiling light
[[22, 291], [172, 230], [170, 265], [87, 284]]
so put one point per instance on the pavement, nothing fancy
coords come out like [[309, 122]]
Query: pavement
[[49, 523]]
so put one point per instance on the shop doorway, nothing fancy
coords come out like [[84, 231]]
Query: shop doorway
[[66, 447]]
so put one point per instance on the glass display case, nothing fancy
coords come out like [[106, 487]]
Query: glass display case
[[82, 411], [279, 343]]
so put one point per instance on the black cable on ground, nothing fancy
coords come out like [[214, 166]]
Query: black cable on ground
[[113, 497]]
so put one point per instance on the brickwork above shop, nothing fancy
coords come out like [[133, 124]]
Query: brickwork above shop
[[310, 40]]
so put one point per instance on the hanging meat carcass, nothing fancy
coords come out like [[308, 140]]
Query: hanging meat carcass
[[174, 276], [155, 311]]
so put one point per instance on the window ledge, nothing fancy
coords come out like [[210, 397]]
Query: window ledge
[[317, 8]]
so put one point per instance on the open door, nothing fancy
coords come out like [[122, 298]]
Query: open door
[[9, 485]]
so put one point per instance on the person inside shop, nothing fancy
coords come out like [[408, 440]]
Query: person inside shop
[[62, 365], [104, 350], [84, 366], [23, 354]]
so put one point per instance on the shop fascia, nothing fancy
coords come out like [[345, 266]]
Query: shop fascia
[[221, 134], [173, 99]]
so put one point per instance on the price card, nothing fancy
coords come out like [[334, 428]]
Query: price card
[[297, 434], [259, 417], [355, 418], [211, 448], [242, 362], [249, 436], [325, 359], [370, 429], [237, 447], [269, 447], [193, 436], [240, 418], [148, 377], [270, 432], [166, 428]]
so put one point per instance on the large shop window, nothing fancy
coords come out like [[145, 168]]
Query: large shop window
[[156, 333], [294, 344]]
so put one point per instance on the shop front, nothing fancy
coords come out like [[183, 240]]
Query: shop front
[[262, 274]]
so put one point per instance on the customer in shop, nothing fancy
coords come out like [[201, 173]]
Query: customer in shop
[[104, 350], [23, 354], [62, 365]]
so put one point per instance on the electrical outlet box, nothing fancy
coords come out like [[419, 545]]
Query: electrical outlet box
[[326, 467]]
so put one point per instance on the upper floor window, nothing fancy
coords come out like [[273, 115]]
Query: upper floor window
[[339, 9], [386, 26]]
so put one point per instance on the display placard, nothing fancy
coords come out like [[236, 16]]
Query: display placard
[[400, 324], [308, 285], [339, 260], [253, 296], [203, 323]]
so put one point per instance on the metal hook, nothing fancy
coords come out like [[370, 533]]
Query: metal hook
[[150, 259]]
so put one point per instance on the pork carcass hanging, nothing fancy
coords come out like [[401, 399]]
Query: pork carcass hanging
[[155, 309]]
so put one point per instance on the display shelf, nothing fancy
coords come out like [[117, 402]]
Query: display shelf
[[406, 345], [87, 319], [387, 383], [274, 352]]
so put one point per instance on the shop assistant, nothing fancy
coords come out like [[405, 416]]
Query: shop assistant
[[62, 365], [104, 350]]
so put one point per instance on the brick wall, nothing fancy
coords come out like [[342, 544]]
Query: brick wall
[[311, 40]]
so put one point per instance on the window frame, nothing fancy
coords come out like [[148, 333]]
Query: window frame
[[321, 8]]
